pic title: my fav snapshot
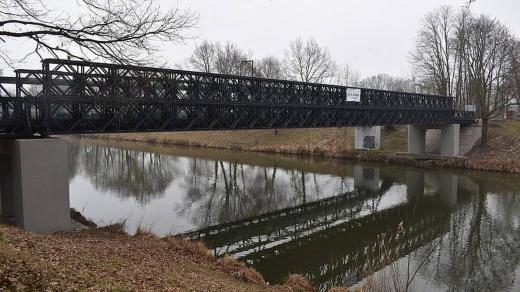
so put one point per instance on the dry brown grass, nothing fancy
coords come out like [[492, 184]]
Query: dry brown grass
[[298, 283], [395, 140], [143, 232], [503, 142], [253, 140], [195, 248], [103, 259], [240, 270], [116, 228]]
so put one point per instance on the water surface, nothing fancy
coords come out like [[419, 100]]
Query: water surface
[[324, 219]]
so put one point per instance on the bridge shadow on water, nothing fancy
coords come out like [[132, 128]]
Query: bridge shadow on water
[[324, 219]]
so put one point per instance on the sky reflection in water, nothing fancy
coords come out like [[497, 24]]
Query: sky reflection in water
[[286, 214]]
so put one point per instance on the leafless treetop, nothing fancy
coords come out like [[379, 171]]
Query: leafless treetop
[[122, 31], [308, 62]]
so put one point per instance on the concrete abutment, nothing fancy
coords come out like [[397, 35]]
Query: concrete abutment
[[367, 138]]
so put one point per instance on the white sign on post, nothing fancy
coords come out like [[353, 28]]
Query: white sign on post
[[354, 94]]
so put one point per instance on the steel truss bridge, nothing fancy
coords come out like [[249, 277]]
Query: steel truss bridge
[[83, 97]]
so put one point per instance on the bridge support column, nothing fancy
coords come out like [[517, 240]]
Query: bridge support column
[[416, 139], [368, 138], [35, 184], [450, 135]]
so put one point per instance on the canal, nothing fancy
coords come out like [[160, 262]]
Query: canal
[[333, 221]]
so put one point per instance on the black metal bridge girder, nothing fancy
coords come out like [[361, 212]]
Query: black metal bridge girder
[[84, 97]]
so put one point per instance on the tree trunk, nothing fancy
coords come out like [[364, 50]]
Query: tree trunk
[[484, 139]]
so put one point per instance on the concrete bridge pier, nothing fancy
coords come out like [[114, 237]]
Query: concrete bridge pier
[[450, 135], [367, 138], [34, 180]]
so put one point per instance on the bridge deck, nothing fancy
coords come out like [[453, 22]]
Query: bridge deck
[[84, 97]]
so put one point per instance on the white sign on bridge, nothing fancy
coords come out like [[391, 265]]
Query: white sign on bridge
[[354, 94], [470, 108]]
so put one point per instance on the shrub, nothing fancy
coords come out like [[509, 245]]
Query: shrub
[[298, 283]]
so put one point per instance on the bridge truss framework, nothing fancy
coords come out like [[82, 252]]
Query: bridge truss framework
[[83, 97]]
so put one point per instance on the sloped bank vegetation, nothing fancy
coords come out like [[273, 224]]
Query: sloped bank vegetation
[[108, 259], [502, 153]]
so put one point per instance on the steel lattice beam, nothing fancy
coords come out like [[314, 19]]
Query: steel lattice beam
[[84, 97]]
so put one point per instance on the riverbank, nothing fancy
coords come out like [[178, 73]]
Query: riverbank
[[290, 141], [110, 260], [501, 155]]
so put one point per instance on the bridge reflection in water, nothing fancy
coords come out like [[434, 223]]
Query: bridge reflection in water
[[318, 218]]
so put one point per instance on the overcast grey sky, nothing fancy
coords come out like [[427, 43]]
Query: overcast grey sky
[[374, 36]]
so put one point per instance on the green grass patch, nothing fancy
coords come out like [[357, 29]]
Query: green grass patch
[[510, 128]]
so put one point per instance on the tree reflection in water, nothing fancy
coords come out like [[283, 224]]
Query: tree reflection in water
[[309, 219], [221, 191], [481, 251], [134, 174]]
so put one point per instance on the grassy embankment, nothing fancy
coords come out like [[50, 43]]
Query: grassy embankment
[[107, 259], [291, 141], [503, 143], [502, 153]]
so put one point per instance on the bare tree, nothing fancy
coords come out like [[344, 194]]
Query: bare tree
[[489, 59], [347, 76], [379, 81], [514, 80], [122, 31], [472, 57], [461, 93], [217, 58], [308, 62], [433, 55], [203, 57], [269, 67], [228, 58], [387, 82]]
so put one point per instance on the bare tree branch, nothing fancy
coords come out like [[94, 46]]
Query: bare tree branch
[[122, 31], [269, 67]]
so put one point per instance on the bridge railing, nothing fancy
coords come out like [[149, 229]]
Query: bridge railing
[[11, 107]]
